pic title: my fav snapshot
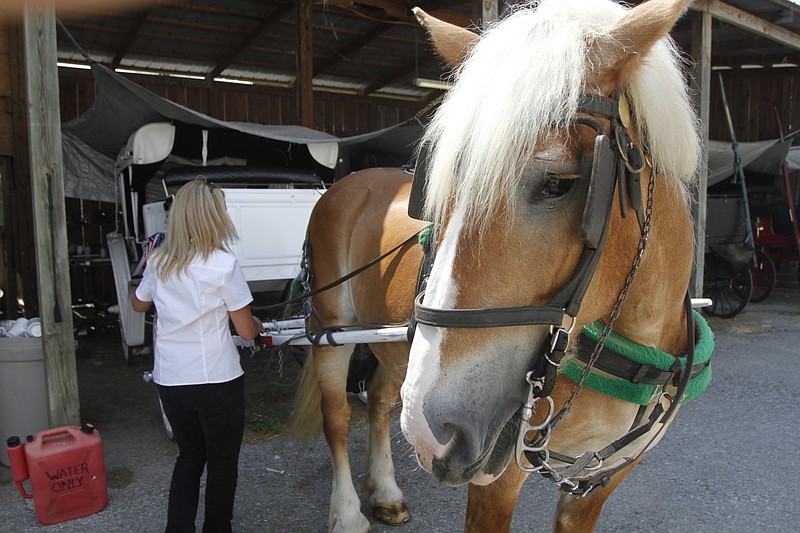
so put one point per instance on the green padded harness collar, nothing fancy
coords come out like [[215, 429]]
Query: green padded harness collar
[[643, 393]]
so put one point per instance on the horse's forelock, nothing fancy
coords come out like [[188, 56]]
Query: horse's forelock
[[523, 78]]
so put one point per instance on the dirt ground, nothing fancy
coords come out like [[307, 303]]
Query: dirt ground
[[270, 381]]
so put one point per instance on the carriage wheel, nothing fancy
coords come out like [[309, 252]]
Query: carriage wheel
[[729, 295], [763, 275]]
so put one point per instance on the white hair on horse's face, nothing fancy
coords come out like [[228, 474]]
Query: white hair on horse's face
[[524, 78]]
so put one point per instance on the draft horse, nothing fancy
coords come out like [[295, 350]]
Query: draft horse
[[559, 113]]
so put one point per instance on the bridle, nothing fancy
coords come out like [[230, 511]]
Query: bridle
[[616, 162]]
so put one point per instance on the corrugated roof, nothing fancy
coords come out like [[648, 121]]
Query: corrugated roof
[[367, 47]]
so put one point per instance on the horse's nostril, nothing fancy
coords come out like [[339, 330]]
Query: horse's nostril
[[445, 433]]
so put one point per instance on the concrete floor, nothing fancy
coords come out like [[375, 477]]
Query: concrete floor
[[727, 464]]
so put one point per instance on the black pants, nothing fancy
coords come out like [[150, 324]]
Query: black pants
[[208, 423]]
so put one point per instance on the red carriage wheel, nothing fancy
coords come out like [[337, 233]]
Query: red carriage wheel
[[763, 276]]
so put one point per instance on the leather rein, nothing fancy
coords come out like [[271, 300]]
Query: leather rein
[[616, 163]]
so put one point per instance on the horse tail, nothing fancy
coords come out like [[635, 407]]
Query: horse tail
[[306, 420]]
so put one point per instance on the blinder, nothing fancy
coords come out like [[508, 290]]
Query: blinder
[[601, 194], [419, 184]]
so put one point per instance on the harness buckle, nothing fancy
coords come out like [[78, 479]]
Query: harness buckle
[[558, 345]]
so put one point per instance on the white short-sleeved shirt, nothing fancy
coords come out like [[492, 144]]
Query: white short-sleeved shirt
[[193, 343]]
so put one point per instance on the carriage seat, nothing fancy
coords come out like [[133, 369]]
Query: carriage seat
[[770, 201], [781, 220], [738, 254], [763, 198]]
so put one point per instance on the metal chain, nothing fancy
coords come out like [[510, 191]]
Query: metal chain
[[545, 429], [616, 311]]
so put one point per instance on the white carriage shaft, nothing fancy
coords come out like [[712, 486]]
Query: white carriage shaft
[[297, 337]]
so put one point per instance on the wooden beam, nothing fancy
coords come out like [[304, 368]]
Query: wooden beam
[[268, 21], [701, 53], [398, 73], [392, 8], [47, 182], [355, 45], [748, 22], [305, 63], [133, 32]]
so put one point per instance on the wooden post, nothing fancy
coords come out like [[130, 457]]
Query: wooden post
[[701, 52], [305, 63], [50, 242]]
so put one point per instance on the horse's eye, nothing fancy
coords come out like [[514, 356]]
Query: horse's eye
[[555, 187]]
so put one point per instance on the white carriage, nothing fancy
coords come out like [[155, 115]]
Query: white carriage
[[270, 205]]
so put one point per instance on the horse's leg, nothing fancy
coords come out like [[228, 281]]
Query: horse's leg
[[379, 484], [580, 515], [331, 365], [490, 507]]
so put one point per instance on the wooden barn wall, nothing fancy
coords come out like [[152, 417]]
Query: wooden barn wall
[[753, 98], [334, 113], [18, 279]]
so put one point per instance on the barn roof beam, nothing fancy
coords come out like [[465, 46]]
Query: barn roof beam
[[133, 32], [398, 73], [392, 8], [265, 23], [354, 46], [746, 21]]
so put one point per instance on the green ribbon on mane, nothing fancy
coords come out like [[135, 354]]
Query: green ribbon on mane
[[641, 393]]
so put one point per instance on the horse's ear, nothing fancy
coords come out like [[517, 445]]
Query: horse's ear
[[451, 42], [616, 53]]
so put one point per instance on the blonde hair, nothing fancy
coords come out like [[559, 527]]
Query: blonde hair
[[198, 225]]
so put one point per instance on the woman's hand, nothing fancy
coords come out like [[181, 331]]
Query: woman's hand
[[259, 325], [247, 326]]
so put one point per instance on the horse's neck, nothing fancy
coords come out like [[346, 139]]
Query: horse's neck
[[661, 325], [654, 313]]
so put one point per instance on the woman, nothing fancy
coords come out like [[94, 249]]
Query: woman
[[196, 285]]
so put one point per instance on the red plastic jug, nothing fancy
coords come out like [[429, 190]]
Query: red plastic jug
[[66, 470]]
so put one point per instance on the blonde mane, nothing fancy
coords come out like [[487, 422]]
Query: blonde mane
[[523, 79]]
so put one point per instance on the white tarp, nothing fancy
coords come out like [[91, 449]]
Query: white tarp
[[763, 154], [794, 158]]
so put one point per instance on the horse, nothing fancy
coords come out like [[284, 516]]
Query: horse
[[558, 113]]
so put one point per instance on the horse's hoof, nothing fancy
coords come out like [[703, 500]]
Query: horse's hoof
[[393, 514]]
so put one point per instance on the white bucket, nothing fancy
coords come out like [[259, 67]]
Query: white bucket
[[23, 396], [34, 327]]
